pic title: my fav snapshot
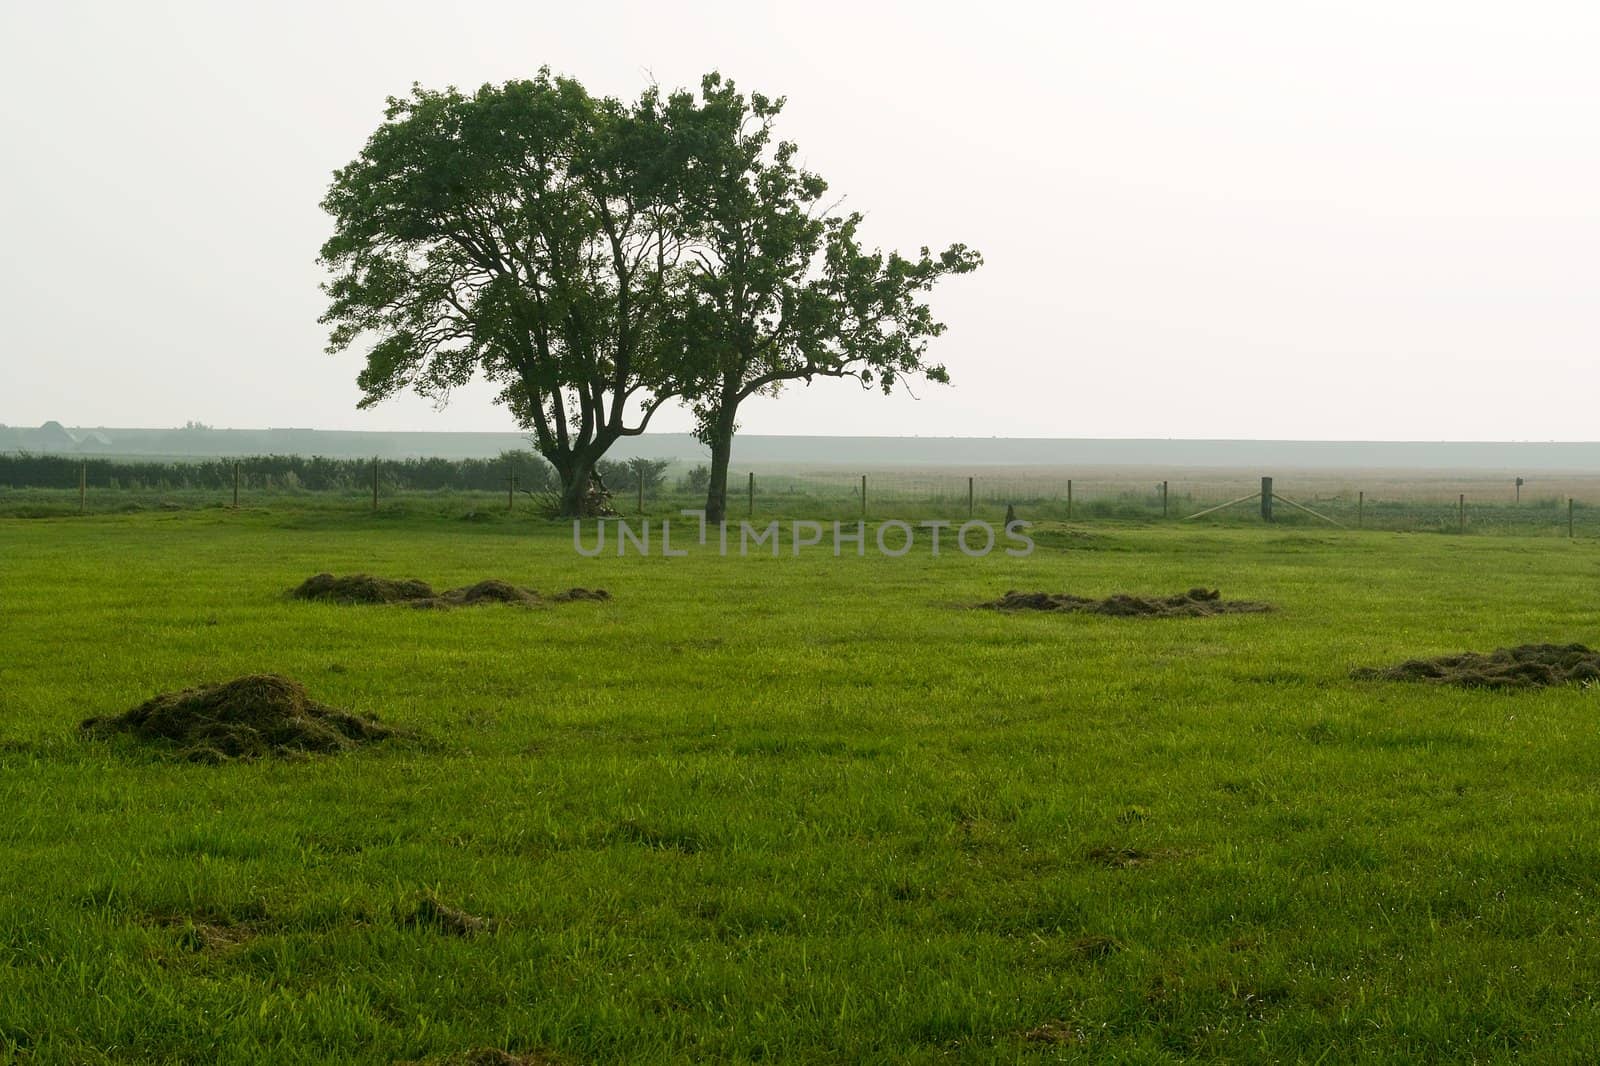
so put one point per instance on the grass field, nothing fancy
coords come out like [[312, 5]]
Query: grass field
[[800, 809]]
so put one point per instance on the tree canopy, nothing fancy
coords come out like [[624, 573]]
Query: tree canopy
[[781, 288], [525, 233]]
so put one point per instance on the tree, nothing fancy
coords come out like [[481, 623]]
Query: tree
[[780, 288], [696, 480], [526, 233], [532, 472], [624, 476]]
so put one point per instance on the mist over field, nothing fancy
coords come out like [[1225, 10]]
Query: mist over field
[[864, 452]]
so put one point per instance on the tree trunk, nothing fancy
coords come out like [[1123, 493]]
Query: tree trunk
[[717, 488], [721, 441], [575, 476]]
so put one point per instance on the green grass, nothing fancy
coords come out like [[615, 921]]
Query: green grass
[[800, 810]]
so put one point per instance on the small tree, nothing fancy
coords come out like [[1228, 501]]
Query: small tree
[[780, 289], [652, 472], [696, 480], [533, 473], [625, 476]]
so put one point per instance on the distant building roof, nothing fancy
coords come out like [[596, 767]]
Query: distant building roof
[[51, 435]]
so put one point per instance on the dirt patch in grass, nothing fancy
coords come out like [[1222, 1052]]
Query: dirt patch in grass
[[1123, 857], [247, 718], [1117, 857], [430, 913], [1525, 666], [205, 934], [1096, 947], [367, 589], [1054, 1033], [1196, 603]]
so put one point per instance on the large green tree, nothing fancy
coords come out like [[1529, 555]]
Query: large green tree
[[781, 288], [528, 233]]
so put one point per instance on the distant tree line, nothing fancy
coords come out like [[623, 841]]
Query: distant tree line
[[284, 472]]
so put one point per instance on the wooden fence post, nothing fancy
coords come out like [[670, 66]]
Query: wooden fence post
[[1266, 498], [1163, 499], [969, 497], [1069, 499], [751, 508], [1361, 507], [1461, 513], [1569, 517], [863, 495]]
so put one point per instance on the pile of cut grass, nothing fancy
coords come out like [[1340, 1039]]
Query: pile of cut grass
[[1196, 603], [362, 588], [1524, 666], [249, 717], [356, 589]]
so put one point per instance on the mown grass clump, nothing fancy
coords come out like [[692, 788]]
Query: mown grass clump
[[361, 588], [1524, 666], [1196, 603], [357, 589], [247, 718], [491, 591]]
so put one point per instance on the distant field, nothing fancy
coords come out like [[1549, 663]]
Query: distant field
[[799, 809]]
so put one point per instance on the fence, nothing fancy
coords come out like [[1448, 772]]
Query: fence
[[1387, 500]]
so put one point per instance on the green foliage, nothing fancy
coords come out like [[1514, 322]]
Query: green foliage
[[624, 476], [521, 233], [696, 479], [311, 473], [780, 289]]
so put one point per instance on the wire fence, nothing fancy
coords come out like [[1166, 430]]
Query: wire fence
[[1390, 500]]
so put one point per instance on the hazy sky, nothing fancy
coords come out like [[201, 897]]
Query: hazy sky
[[1220, 219]]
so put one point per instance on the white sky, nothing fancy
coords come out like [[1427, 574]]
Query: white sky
[[1271, 219]]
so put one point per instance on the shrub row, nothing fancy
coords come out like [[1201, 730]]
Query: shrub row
[[313, 473]]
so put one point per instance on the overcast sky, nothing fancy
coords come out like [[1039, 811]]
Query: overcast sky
[[1221, 219]]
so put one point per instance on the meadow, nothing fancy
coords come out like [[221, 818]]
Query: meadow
[[798, 809]]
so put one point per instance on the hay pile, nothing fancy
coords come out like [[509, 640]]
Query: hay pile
[[1525, 666], [248, 718], [1195, 603], [365, 589], [361, 588], [490, 591], [575, 594]]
